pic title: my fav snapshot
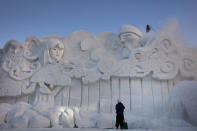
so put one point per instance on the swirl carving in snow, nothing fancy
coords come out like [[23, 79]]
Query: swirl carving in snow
[[168, 48], [167, 67], [18, 66], [154, 53], [168, 70], [166, 45], [97, 57], [12, 57], [164, 57], [188, 64]]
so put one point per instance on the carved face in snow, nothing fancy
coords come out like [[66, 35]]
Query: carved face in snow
[[130, 36], [130, 40], [56, 51]]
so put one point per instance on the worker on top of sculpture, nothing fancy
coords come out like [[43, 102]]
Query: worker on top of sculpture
[[119, 114], [50, 78], [130, 37], [148, 27]]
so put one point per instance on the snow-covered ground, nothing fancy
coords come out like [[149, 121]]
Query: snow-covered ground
[[181, 116], [93, 129]]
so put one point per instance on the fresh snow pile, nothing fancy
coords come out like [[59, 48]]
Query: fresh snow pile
[[84, 119], [183, 102], [22, 115]]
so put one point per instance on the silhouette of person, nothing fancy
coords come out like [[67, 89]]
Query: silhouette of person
[[119, 114], [148, 27]]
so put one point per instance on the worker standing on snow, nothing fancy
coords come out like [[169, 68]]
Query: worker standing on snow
[[119, 114]]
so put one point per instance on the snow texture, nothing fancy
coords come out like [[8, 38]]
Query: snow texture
[[75, 81], [183, 102]]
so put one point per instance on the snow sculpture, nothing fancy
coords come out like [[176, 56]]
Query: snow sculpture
[[130, 37], [76, 80], [185, 108], [49, 78], [18, 62]]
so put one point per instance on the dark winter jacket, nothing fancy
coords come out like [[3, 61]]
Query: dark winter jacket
[[119, 108]]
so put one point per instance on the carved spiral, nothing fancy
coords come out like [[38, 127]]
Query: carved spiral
[[188, 64], [167, 67], [166, 45]]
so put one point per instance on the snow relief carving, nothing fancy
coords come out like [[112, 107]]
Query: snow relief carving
[[54, 66], [82, 55], [17, 63], [98, 57]]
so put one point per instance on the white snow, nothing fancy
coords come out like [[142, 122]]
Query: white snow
[[183, 102], [181, 113], [4, 108], [94, 129], [39, 122], [76, 81]]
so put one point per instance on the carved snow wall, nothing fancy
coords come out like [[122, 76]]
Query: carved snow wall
[[139, 95], [92, 72]]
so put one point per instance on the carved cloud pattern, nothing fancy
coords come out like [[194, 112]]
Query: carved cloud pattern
[[99, 57]]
